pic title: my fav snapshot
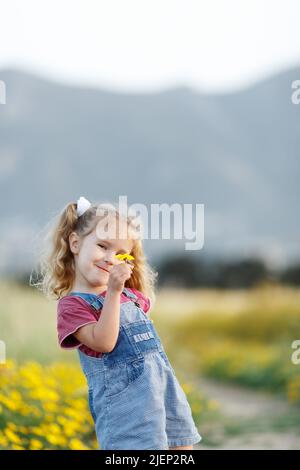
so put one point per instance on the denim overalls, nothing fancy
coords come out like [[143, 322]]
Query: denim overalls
[[134, 396]]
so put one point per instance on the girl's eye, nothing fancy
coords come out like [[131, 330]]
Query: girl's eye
[[102, 246]]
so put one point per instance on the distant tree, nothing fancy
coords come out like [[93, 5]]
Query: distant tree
[[241, 274], [178, 270], [291, 275]]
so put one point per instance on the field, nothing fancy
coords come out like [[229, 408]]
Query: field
[[231, 351]]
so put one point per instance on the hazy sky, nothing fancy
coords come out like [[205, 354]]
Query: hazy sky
[[136, 45]]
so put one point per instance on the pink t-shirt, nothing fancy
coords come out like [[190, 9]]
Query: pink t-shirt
[[74, 312]]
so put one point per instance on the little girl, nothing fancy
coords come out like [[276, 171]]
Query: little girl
[[103, 307]]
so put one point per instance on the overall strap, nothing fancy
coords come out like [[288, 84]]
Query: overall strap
[[129, 294], [92, 299]]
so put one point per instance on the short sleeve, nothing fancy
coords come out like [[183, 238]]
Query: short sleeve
[[72, 313], [144, 301]]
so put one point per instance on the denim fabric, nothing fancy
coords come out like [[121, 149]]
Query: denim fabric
[[134, 396]]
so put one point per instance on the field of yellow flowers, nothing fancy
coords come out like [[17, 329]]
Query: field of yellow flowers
[[45, 407]]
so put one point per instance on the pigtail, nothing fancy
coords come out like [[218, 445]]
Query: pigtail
[[56, 261]]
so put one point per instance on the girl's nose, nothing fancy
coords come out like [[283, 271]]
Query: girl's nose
[[109, 262], [109, 259]]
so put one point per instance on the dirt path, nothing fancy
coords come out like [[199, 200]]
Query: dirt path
[[249, 419]]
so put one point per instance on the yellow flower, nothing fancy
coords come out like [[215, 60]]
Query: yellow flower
[[44, 394], [38, 431], [12, 436], [72, 428], [196, 407], [3, 441], [124, 257], [50, 406], [186, 387], [10, 404], [54, 428], [76, 444], [62, 420], [12, 426], [35, 444]]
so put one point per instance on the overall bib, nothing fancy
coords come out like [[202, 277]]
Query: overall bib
[[134, 396]]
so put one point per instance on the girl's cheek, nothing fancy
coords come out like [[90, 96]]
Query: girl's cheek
[[99, 251]]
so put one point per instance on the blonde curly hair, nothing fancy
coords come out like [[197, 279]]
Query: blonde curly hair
[[56, 266]]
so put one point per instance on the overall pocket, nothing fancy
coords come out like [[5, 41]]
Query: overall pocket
[[120, 376]]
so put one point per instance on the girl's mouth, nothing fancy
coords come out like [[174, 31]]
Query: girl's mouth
[[103, 269]]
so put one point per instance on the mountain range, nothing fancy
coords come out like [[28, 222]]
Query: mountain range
[[236, 153]]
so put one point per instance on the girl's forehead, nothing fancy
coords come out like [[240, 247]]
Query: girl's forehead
[[113, 228]]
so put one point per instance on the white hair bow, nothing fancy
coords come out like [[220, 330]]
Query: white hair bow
[[82, 205]]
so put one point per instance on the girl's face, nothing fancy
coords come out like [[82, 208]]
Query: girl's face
[[95, 257]]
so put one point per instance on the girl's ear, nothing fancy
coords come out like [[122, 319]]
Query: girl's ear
[[74, 243]]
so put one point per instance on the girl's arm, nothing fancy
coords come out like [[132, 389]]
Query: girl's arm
[[103, 335]]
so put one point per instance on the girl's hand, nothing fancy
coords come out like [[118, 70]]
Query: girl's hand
[[118, 275]]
